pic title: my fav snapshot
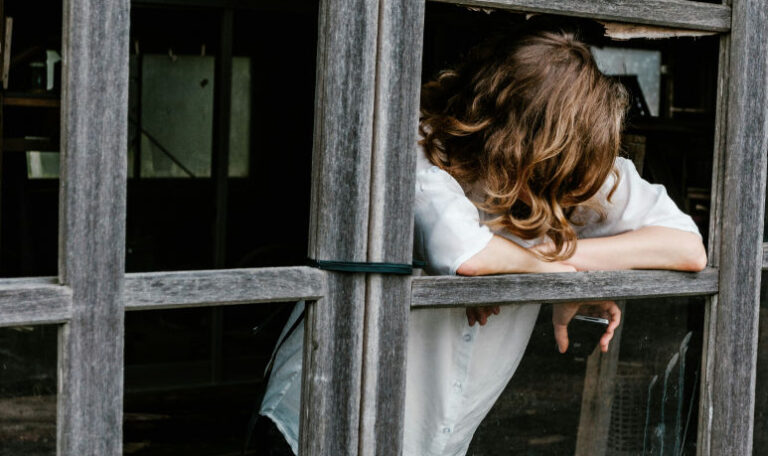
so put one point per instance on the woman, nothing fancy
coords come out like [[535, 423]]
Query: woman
[[528, 132]]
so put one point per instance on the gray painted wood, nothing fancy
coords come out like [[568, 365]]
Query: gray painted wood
[[341, 173], [669, 13], [34, 302], [330, 414], [169, 290], [741, 235], [343, 133], [597, 397], [390, 232], [94, 125], [708, 347], [446, 291]]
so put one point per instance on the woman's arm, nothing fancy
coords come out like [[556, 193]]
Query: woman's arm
[[501, 256], [650, 247]]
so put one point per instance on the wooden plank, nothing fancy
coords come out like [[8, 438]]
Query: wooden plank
[[34, 302], [170, 290], [447, 291], [741, 237], [708, 348], [597, 398], [94, 126], [31, 102], [668, 13], [390, 233], [341, 171]]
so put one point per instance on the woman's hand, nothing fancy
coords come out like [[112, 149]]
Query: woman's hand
[[481, 314], [563, 313]]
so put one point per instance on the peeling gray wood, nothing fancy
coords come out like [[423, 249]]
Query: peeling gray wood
[[169, 290], [447, 291], [668, 13], [34, 302], [341, 173], [390, 232], [94, 125], [741, 235], [621, 32]]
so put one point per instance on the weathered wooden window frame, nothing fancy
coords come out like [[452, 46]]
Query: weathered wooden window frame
[[363, 173]]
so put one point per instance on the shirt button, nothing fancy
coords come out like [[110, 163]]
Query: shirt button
[[467, 337], [446, 430], [457, 387]]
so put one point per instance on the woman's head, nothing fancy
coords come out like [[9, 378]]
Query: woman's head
[[533, 120]]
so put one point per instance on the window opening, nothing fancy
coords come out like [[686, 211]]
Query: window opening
[[28, 390]]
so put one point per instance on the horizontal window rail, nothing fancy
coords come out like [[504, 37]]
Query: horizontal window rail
[[34, 301], [177, 289], [452, 291], [683, 14]]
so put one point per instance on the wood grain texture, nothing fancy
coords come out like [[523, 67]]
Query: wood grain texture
[[341, 174], [390, 232], [704, 428], [94, 125], [34, 302], [333, 353], [168, 290], [741, 235], [343, 132], [668, 13], [447, 291]]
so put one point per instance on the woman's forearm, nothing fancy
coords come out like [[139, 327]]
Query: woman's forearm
[[502, 256], [651, 247]]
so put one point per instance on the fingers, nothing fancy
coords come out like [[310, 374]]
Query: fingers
[[480, 314], [614, 315], [561, 337]]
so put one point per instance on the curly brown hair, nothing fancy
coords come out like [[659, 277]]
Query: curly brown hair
[[535, 124]]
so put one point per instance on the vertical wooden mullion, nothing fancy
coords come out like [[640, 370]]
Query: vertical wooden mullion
[[710, 312], [344, 101], [733, 347], [92, 225], [390, 236]]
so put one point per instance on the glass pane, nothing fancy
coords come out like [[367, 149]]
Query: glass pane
[[176, 115], [654, 403], [29, 150], [28, 390], [185, 393]]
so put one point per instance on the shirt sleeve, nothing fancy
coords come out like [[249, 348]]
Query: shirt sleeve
[[447, 225], [636, 203]]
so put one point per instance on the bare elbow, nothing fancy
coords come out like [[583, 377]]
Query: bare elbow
[[469, 268], [696, 259]]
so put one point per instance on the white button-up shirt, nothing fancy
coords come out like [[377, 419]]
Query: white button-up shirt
[[455, 371]]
